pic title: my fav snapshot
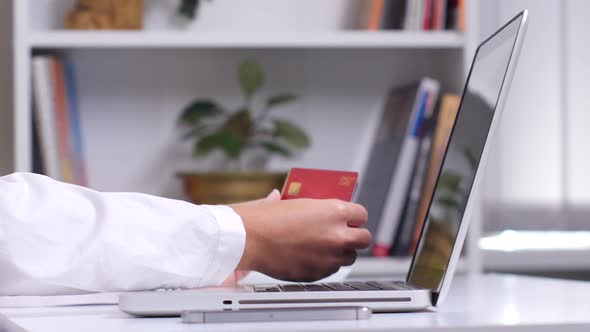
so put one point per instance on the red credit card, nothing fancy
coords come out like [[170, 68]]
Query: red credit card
[[319, 184]]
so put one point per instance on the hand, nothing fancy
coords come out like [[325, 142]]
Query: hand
[[302, 239], [237, 275]]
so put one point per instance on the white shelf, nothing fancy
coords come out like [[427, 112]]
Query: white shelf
[[387, 267], [155, 39], [342, 72], [542, 251], [536, 260]]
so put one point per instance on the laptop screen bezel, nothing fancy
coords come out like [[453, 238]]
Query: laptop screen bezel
[[457, 247]]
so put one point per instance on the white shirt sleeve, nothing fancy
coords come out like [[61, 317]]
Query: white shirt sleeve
[[57, 238]]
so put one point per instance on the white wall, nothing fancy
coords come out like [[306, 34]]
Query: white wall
[[226, 15], [541, 163], [6, 87], [577, 62], [130, 100]]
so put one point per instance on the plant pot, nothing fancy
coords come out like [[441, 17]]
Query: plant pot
[[105, 15], [229, 187]]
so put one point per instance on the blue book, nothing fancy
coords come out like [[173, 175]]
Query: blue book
[[77, 144]]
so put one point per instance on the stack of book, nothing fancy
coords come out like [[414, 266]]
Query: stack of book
[[426, 15], [402, 168], [57, 138]]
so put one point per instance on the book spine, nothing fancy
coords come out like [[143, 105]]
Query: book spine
[[409, 16], [461, 19], [386, 15], [62, 121], [399, 14], [449, 107], [404, 236], [376, 15], [36, 140], [451, 15], [398, 189], [403, 239], [427, 16], [44, 105], [438, 17], [77, 145], [418, 14]]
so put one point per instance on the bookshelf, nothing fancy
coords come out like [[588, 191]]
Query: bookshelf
[[132, 85], [324, 40]]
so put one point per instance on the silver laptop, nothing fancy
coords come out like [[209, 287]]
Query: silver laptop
[[442, 235]]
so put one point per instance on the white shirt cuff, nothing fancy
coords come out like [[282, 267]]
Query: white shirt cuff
[[230, 247]]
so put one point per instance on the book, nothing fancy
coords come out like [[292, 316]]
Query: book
[[409, 15], [393, 15], [418, 19], [427, 15], [451, 15], [403, 237], [37, 161], [385, 148], [57, 139], [43, 95], [375, 14], [416, 15], [77, 156], [449, 107], [62, 122], [399, 186], [461, 22], [439, 14]]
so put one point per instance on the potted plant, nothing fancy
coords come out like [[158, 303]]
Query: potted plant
[[237, 134], [189, 8]]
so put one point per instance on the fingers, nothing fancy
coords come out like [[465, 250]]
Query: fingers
[[357, 215], [357, 238], [348, 258]]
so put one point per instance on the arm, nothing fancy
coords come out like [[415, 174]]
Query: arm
[[60, 238], [57, 238]]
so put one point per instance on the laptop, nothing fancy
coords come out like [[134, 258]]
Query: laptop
[[443, 232]]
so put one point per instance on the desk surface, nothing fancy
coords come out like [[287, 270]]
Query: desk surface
[[476, 303]]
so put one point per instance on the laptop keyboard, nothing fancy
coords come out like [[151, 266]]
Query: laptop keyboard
[[335, 286]]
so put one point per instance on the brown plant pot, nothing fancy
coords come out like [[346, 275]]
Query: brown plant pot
[[229, 187], [105, 15]]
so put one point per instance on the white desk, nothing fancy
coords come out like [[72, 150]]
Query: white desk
[[483, 303]]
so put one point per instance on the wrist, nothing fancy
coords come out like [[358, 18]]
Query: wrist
[[248, 261]]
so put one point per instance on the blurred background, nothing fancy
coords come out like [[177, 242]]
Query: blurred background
[[177, 98]]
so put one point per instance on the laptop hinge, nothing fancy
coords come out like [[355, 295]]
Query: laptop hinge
[[434, 298]]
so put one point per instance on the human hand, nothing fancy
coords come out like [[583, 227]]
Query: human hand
[[237, 275], [301, 239]]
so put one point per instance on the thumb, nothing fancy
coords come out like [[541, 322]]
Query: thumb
[[274, 196]]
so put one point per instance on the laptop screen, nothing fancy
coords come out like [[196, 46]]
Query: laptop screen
[[464, 151]]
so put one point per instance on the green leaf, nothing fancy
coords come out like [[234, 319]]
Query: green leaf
[[239, 124], [188, 8], [449, 202], [197, 110], [251, 76], [291, 134], [280, 99], [450, 181], [275, 148], [232, 145], [193, 132], [470, 157]]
